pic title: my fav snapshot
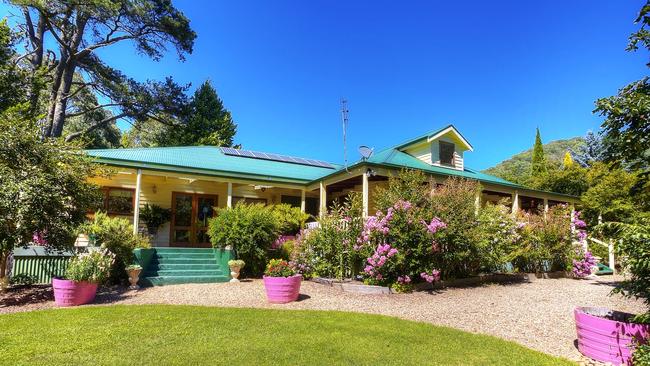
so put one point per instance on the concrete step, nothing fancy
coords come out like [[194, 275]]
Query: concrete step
[[181, 266], [172, 255], [185, 250], [183, 273], [191, 261], [164, 280]]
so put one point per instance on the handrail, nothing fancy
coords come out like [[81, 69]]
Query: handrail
[[610, 251]]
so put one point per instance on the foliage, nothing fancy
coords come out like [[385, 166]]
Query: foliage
[[545, 243], [44, 186], [399, 245], [154, 216], [236, 263], [12, 79], [591, 151], [634, 245], [498, 236], [94, 266], [279, 336], [641, 355], [207, 122], [327, 251], [538, 162], [79, 31], [610, 194], [279, 268], [409, 185], [249, 230], [569, 180], [116, 235], [567, 162], [517, 169], [23, 279], [290, 219], [455, 204]]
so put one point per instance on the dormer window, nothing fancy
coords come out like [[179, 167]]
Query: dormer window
[[446, 153]]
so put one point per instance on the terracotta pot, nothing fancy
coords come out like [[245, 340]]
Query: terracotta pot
[[234, 273], [71, 293], [280, 290], [607, 336], [134, 276]]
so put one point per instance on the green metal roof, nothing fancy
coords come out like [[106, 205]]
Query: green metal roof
[[209, 160]]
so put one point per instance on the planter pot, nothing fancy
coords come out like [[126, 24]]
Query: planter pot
[[134, 276], [71, 293], [608, 336], [280, 290], [234, 273]]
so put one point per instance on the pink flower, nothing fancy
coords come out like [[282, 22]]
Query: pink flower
[[435, 225]]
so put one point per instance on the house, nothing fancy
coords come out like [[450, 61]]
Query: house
[[193, 180]]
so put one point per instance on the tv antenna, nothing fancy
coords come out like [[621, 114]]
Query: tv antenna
[[344, 117]]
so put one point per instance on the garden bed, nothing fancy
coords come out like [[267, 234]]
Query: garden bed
[[361, 288]]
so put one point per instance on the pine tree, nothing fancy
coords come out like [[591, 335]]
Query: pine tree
[[538, 161], [568, 160], [209, 122]]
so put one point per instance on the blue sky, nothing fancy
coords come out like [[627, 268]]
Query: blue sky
[[496, 70]]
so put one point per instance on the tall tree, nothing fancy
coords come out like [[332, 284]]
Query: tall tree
[[538, 160], [12, 80], [626, 126], [591, 152], [567, 162], [82, 28]]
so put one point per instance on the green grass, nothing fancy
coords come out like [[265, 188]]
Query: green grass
[[161, 335]]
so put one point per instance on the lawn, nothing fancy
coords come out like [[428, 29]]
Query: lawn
[[162, 334]]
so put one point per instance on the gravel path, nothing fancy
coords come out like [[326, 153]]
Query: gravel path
[[538, 315]]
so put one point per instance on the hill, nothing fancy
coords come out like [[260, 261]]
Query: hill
[[517, 168]]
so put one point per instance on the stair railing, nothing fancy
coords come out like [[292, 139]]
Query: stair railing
[[610, 251]]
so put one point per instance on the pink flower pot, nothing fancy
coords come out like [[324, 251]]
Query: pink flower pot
[[71, 293], [608, 340], [280, 290]]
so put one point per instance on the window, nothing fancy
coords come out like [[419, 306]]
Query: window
[[446, 153], [116, 201]]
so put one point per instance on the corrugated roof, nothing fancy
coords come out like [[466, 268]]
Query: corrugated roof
[[209, 159]]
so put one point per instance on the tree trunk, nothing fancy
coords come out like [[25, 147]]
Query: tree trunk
[[61, 102]]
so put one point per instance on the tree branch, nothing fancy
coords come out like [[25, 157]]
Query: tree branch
[[97, 125], [92, 109]]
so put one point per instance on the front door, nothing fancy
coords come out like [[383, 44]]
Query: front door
[[190, 214]]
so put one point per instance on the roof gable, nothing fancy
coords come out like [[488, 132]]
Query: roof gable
[[449, 130]]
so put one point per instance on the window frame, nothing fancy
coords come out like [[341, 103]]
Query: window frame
[[106, 194], [452, 146]]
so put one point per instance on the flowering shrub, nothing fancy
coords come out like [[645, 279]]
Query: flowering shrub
[[398, 245], [92, 267], [279, 268], [582, 267], [499, 236]]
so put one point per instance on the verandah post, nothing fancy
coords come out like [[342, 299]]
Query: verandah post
[[136, 208]]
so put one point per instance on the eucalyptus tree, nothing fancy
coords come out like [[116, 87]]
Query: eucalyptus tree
[[71, 64]]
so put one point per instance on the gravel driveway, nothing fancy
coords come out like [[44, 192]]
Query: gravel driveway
[[536, 314]]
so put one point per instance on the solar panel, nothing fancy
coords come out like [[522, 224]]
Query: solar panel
[[275, 157]]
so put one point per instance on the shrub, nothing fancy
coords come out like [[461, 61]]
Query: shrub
[[154, 216], [94, 266], [23, 279], [327, 250], [236, 263], [279, 268], [116, 235], [289, 219], [455, 204], [409, 185], [498, 236], [545, 243], [249, 230]]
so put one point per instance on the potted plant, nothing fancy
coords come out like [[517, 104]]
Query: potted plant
[[154, 216], [281, 282], [612, 336], [133, 271], [235, 266], [85, 271]]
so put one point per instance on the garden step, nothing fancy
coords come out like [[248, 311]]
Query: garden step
[[185, 250], [181, 266], [188, 272], [165, 255], [166, 280], [158, 261]]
